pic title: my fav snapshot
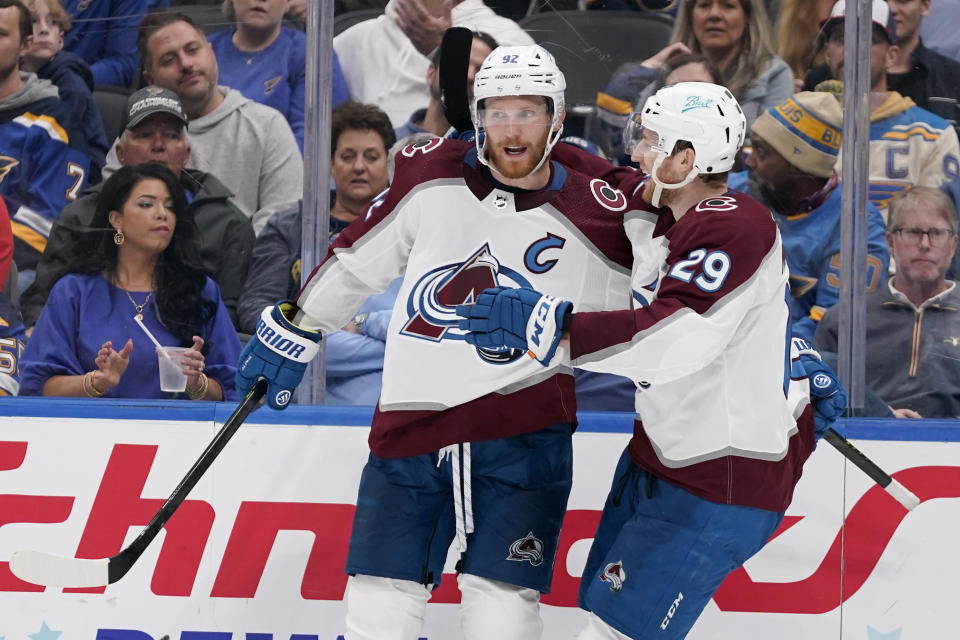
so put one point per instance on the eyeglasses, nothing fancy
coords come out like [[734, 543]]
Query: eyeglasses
[[913, 235]]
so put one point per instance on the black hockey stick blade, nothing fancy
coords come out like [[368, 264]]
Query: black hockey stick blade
[[50, 570], [454, 63], [900, 493]]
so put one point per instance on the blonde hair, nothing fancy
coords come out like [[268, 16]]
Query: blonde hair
[[756, 50], [798, 33], [60, 16]]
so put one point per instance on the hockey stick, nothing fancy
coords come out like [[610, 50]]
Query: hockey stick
[[51, 570], [900, 493], [453, 66]]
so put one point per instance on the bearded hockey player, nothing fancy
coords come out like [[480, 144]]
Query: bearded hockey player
[[468, 444], [724, 421]]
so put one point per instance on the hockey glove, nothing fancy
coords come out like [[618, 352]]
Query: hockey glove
[[279, 351], [826, 393], [516, 318]]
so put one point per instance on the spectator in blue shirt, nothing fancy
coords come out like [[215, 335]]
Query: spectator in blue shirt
[[105, 35], [266, 61]]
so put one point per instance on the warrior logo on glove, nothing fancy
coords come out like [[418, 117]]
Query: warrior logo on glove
[[433, 300]]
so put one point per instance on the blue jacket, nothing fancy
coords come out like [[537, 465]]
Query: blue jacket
[[275, 76], [104, 34], [84, 311], [74, 80], [44, 164], [811, 241], [354, 362]]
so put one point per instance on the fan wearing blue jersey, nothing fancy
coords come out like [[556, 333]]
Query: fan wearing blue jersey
[[909, 146], [791, 170], [724, 415], [44, 162]]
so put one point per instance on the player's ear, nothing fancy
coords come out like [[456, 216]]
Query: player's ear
[[114, 218]]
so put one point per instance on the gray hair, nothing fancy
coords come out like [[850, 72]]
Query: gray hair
[[921, 198]]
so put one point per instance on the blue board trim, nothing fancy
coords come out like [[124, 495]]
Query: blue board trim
[[590, 421]]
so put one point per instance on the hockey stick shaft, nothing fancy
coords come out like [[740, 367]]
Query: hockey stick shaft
[[454, 64], [121, 563], [51, 570], [902, 495]]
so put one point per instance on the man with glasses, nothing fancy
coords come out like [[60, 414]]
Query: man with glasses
[[913, 323]]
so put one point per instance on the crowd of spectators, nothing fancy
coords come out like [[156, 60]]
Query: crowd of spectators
[[211, 141]]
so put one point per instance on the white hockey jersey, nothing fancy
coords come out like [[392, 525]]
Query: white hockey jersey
[[451, 233], [708, 344]]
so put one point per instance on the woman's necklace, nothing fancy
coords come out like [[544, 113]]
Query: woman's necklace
[[138, 307]]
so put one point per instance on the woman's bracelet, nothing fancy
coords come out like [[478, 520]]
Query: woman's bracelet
[[197, 394], [89, 388]]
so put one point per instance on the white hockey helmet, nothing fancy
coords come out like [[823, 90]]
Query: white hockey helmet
[[528, 70], [703, 114]]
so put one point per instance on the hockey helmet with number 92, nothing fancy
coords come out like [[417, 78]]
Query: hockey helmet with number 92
[[519, 71], [703, 114]]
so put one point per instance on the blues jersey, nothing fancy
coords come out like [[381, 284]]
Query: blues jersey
[[40, 172], [811, 241]]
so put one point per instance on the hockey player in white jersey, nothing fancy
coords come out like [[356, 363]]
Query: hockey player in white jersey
[[460, 217], [724, 421]]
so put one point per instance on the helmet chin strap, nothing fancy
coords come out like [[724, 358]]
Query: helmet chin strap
[[658, 190], [551, 141]]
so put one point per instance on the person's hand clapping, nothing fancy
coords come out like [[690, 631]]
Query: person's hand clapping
[[424, 28], [110, 365]]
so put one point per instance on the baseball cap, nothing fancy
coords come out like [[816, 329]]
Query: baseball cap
[[880, 13], [149, 101], [805, 130]]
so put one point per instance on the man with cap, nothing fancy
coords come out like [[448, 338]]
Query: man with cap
[[908, 145], [155, 130], [791, 171]]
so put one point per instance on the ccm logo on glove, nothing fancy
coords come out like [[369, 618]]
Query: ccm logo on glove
[[543, 313]]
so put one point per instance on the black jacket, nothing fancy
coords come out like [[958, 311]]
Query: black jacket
[[226, 240], [933, 83]]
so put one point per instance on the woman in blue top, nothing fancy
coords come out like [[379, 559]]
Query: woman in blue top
[[140, 260], [266, 61]]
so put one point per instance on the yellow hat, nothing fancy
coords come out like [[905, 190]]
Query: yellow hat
[[805, 130]]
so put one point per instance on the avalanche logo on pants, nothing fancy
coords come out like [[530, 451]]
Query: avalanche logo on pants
[[615, 574], [432, 303], [528, 548]]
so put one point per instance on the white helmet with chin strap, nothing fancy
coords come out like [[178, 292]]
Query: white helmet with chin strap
[[703, 114], [519, 71]]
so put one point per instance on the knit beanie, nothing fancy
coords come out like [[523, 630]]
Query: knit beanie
[[805, 130]]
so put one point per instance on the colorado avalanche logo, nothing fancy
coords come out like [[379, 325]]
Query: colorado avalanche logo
[[432, 304], [425, 146], [717, 203], [607, 196], [615, 574], [529, 548]]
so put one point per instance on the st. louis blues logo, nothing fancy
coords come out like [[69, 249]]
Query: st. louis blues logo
[[529, 548], [432, 303], [615, 575]]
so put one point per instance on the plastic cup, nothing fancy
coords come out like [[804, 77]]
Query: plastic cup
[[172, 377]]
